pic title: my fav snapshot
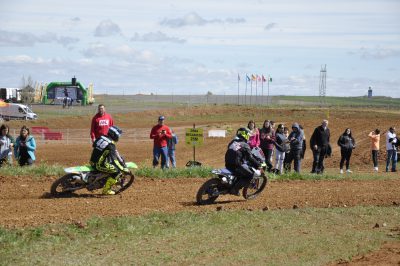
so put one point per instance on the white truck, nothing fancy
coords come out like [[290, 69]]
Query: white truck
[[10, 111]]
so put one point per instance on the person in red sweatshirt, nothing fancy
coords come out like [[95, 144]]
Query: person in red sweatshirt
[[101, 122], [160, 133]]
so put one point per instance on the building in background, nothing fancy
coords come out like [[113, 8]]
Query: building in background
[[370, 92]]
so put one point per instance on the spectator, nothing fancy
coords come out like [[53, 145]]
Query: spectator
[[25, 146], [6, 145], [101, 122], [375, 139], [304, 147], [254, 140], [171, 149], [296, 142], [347, 144], [391, 149], [281, 144], [267, 138], [286, 163], [319, 143], [160, 133]]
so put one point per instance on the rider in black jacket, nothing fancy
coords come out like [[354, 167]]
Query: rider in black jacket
[[239, 159], [105, 157]]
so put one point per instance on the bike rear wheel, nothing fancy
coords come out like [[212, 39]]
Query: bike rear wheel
[[66, 185], [208, 192], [123, 182], [255, 187]]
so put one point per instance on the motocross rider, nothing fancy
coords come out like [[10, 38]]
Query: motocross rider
[[106, 159], [239, 160]]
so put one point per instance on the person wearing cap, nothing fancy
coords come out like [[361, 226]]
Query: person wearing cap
[[101, 122], [160, 133]]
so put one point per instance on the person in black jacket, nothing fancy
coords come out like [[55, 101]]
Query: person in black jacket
[[239, 159], [295, 139], [320, 146], [347, 144]]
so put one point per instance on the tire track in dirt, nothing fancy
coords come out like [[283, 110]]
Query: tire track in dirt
[[22, 201]]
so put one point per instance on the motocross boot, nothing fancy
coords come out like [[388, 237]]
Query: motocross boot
[[107, 187]]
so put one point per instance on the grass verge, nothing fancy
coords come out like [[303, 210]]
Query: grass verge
[[43, 169], [281, 237]]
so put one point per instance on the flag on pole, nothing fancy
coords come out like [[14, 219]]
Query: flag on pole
[[238, 77], [270, 79], [258, 78], [248, 79], [253, 77], [263, 79]]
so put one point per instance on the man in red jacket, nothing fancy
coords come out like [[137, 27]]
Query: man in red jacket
[[160, 133], [101, 122]]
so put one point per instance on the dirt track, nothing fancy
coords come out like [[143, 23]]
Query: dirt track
[[23, 201]]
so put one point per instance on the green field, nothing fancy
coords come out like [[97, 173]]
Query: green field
[[280, 237]]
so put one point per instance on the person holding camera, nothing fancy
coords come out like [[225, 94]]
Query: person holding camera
[[25, 147], [391, 149], [160, 133], [375, 139]]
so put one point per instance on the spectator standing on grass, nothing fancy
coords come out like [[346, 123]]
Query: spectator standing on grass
[[347, 144], [375, 139], [267, 139], [320, 146], [304, 147], [254, 140], [171, 149], [160, 133], [286, 163], [25, 147], [101, 122], [6, 145], [296, 143], [391, 149], [281, 143]]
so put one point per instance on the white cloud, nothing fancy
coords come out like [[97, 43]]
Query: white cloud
[[156, 37], [24, 39], [193, 19], [107, 28], [378, 53], [270, 26]]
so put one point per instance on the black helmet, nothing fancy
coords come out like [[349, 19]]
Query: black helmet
[[243, 133], [114, 132]]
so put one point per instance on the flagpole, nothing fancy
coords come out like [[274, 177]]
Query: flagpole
[[245, 93], [251, 89], [256, 88], [238, 89], [262, 89], [268, 90]]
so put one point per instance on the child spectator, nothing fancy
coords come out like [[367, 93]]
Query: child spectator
[[171, 149], [254, 140], [375, 138]]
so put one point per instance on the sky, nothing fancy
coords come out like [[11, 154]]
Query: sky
[[193, 47]]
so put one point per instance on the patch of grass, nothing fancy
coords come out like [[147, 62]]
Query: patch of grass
[[145, 171], [36, 170], [280, 237], [328, 176]]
